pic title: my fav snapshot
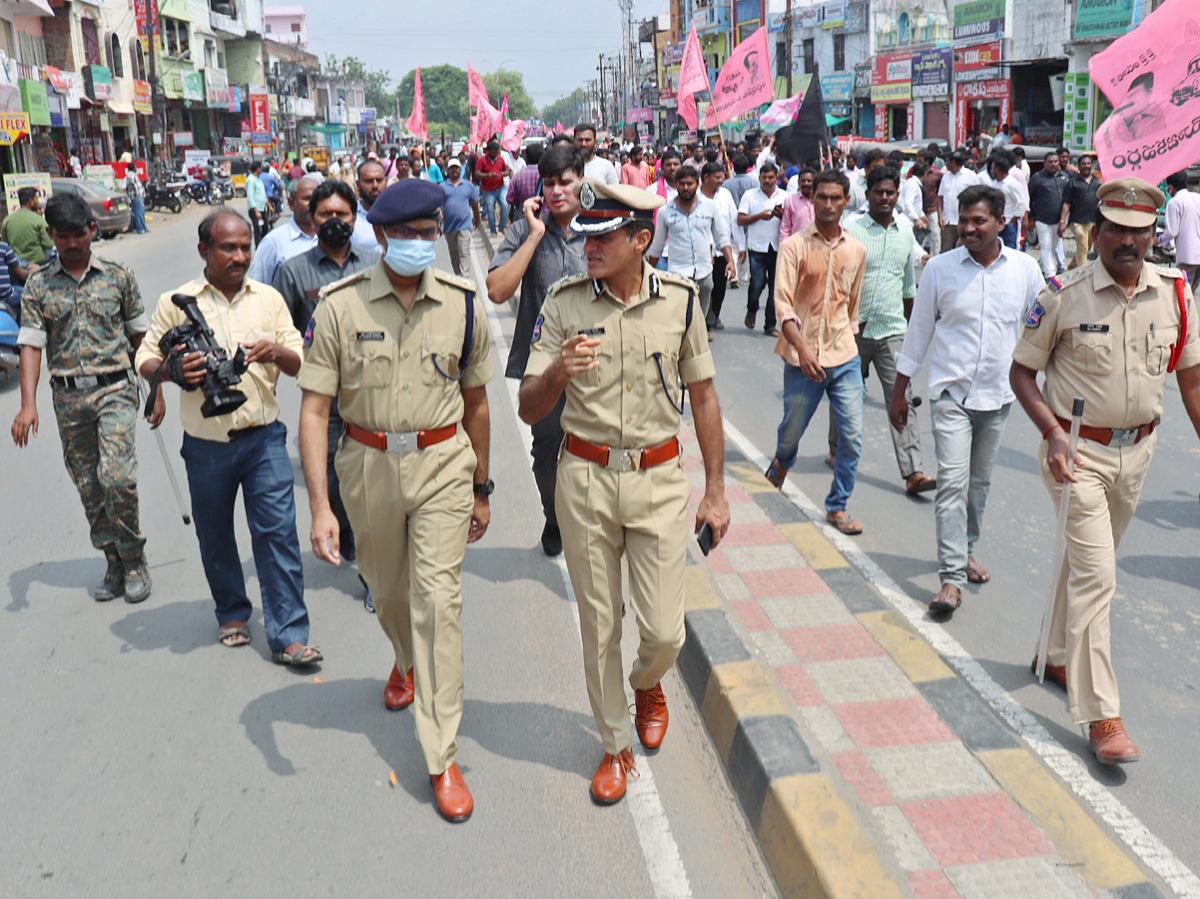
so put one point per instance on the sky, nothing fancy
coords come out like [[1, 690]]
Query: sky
[[555, 44]]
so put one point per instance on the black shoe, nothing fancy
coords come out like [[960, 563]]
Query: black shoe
[[718, 325], [750, 316], [551, 540], [114, 580]]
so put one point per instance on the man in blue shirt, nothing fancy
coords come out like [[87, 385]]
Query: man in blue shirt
[[460, 214], [272, 187], [11, 270], [256, 201]]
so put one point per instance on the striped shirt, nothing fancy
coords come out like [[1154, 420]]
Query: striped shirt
[[888, 279]]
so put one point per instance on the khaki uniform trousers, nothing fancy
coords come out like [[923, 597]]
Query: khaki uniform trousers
[[1102, 504], [1083, 244], [410, 514], [642, 515]]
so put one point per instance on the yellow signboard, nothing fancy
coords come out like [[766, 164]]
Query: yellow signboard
[[12, 126], [14, 182], [891, 93]]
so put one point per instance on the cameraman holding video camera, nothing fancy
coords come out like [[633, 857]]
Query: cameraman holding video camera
[[233, 437]]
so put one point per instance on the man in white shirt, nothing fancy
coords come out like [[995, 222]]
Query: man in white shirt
[[759, 213], [696, 232], [712, 178], [298, 236], [912, 200], [955, 180], [1016, 195], [593, 166], [966, 320], [1183, 226]]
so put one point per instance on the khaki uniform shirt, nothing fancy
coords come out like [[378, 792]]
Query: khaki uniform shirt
[[622, 403], [84, 326], [256, 313], [382, 362], [817, 285], [1095, 343]]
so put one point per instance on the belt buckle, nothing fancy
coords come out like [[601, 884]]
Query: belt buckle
[[1123, 437], [88, 382], [401, 443], [622, 460]]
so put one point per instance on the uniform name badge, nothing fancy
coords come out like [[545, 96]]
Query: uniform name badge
[[369, 335]]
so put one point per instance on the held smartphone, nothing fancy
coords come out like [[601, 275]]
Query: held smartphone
[[705, 538]]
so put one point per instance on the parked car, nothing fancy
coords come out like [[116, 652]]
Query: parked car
[[110, 208]]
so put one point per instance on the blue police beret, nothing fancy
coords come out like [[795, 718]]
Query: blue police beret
[[407, 199]]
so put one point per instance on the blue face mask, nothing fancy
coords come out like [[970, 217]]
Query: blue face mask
[[409, 257]]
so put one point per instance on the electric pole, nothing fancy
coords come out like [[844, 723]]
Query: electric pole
[[788, 44], [151, 26], [603, 115]]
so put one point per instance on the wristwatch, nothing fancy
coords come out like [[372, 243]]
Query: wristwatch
[[484, 489]]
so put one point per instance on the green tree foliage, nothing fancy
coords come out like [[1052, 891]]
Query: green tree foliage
[[568, 109], [375, 83], [502, 81]]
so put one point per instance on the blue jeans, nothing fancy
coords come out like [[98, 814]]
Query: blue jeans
[[1009, 234], [137, 208], [258, 463], [762, 274], [490, 200], [844, 386]]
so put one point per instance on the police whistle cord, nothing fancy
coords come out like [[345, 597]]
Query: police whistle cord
[[1060, 538], [162, 450]]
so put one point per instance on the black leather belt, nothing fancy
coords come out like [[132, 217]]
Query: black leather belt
[[87, 382], [239, 433]]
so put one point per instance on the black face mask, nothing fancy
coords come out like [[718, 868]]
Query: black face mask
[[335, 233]]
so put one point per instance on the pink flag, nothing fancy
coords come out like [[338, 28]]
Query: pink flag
[[558, 127], [504, 107], [745, 80], [514, 135], [416, 122], [781, 112], [476, 91], [693, 78], [1152, 78]]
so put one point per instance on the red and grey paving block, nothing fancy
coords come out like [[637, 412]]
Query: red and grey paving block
[[865, 765]]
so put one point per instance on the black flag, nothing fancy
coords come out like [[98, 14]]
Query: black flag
[[806, 140]]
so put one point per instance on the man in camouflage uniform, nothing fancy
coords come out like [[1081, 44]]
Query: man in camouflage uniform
[[86, 314]]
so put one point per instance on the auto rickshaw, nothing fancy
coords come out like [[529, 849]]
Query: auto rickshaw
[[236, 168]]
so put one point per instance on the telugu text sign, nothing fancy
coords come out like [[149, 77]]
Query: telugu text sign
[[931, 73], [978, 62]]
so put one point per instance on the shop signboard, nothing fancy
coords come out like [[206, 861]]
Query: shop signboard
[[141, 98], [891, 80], [1077, 104], [216, 89], [33, 101], [139, 14], [998, 93], [100, 174], [19, 181], [12, 126], [978, 20], [235, 98], [931, 73], [183, 138], [856, 17], [98, 83], [260, 115], [978, 62], [833, 14], [1104, 18], [837, 86], [74, 89], [193, 86]]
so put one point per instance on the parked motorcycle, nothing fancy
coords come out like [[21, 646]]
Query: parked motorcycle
[[164, 196]]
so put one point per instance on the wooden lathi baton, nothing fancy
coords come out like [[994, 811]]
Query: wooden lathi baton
[[1060, 538]]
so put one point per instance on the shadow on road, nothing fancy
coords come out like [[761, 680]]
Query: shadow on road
[[68, 574], [1171, 514], [180, 627], [510, 564], [1181, 570], [523, 731]]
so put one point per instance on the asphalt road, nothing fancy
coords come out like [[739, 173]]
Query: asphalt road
[[1156, 616], [141, 758]]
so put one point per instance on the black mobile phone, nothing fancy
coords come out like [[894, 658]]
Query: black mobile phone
[[705, 538]]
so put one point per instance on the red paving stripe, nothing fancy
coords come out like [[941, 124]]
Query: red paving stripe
[[718, 562], [857, 771], [751, 615], [967, 830], [799, 685], [892, 722], [931, 885], [753, 534], [831, 643], [783, 581]]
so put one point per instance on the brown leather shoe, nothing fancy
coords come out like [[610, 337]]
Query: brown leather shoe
[[398, 694], [650, 716], [1110, 742], [609, 781], [1056, 674], [451, 796]]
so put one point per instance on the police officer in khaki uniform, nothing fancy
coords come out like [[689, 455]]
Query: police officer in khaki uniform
[[1108, 333], [623, 342], [405, 350]]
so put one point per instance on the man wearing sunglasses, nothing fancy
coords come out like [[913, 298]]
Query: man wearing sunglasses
[[405, 350]]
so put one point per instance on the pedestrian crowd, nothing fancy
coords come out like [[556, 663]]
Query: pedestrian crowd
[[621, 259]]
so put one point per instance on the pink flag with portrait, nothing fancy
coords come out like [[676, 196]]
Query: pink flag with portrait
[[477, 94], [513, 135], [745, 80], [693, 79], [1152, 78], [416, 122]]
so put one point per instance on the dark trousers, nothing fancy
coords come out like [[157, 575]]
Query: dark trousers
[[346, 545], [718, 291], [256, 224], [762, 274], [257, 463], [547, 440], [1010, 234]]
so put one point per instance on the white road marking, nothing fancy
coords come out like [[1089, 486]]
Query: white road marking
[[663, 862], [1136, 836]]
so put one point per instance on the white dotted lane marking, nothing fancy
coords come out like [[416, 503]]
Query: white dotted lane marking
[[1137, 837], [659, 849]]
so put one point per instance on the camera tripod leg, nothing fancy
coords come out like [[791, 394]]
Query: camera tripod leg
[[162, 450]]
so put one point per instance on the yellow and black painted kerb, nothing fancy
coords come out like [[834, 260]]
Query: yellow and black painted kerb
[[812, 836]]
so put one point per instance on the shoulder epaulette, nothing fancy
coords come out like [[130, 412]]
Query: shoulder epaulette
[[567, 282], [1066, 279], [453, 280], [344, 282], [1169, 271], [676, 280]]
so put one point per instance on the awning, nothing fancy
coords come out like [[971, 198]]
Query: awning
[[831, 120], [120, 107]]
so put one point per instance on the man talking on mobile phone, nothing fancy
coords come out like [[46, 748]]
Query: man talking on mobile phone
[[622, 343]]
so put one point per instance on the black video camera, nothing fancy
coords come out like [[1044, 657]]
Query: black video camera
[[220, 396]]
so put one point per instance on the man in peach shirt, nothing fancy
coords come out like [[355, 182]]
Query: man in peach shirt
[[819, 276], [636, 172]]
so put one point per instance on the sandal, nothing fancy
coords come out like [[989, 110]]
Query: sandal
[[976, 573], [919, 482], [302, 657], [844, 523], [776, 474], [233, 635]]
